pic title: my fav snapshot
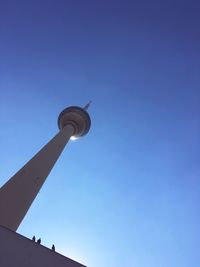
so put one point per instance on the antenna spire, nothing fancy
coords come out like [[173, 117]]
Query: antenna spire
[[87, 106]]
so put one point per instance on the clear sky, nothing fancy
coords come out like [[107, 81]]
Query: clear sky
[[128, 193]]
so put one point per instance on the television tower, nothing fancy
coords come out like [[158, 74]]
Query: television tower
[[18, 193]]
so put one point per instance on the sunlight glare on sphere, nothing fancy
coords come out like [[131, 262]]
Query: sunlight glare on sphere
[[73, 138]]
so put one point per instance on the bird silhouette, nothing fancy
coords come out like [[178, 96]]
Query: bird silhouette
[[53, 248], [39, 241], [33, 238]]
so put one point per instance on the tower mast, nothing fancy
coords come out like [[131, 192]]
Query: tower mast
[[18, 193]]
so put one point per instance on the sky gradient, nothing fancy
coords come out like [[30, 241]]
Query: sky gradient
[[128, 193]]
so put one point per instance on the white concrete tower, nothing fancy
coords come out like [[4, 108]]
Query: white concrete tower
[[17, 195]]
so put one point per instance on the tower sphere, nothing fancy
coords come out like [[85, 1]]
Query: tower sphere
[[77, 117]]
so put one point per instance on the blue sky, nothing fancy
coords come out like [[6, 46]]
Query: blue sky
[[128, 193]]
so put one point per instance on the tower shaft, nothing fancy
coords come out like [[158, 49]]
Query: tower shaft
[[17, 195]]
